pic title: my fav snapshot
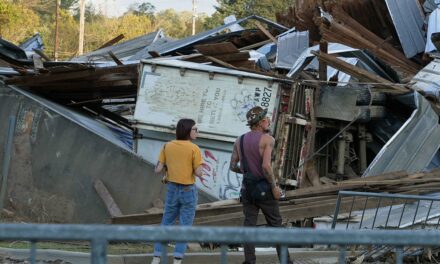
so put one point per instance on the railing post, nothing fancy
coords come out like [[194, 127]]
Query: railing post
[[283, 257], [33, 254], [342, 254], [99, 251], [363, 213], [349, 214], [399, 255], [164, 257], [335, 215], [224, 256]]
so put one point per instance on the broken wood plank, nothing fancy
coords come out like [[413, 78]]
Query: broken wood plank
[[222, 63], [112, 41], [266, 32], [110, 204], [239, 56], [214, 49], [256, 45], [114, 58], [41, 53]]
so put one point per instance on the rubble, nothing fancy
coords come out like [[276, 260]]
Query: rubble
[[351, 93]]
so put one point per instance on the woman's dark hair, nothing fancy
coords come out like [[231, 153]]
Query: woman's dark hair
[[183, 129]]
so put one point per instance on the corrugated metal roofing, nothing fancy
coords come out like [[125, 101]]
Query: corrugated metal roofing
[[413, 146], [306, 55], [408, 19], [35, 42], [171, 46], [122, 50], [433, 27], [11, 50], [290, 47], [343, 77], [430, 5], [428, 80], [144, 53]]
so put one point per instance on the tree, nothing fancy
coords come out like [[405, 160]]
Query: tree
[[68, 4], [244, 8], [17, 23], [146, 9]]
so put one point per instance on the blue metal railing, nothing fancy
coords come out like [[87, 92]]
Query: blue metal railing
[[389, 202], [386, 211], [100, 235]]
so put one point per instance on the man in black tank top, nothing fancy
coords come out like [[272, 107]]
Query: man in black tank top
[[255, 158]]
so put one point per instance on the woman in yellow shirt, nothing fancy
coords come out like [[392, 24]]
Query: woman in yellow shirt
[[182, 160]]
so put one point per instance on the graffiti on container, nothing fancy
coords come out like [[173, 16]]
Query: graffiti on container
[[217, 178], [242, 102], [232, 186]]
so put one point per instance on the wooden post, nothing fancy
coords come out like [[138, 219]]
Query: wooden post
[[82, 7], [194, 15], [57, 28], [323, 48]]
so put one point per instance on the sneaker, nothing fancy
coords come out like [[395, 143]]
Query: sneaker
[[156, 260], [177, 261]]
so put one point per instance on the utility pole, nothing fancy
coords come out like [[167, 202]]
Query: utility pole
[[194, 16], [82, 8], [57, 28]]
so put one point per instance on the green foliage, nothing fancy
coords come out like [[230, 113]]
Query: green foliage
[[144, 9], [90, 13], [20, 19], [68, 4], [99, 32], [244, 8], [17, 22]]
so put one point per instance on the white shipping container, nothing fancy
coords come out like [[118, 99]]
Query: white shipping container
[[216, 98]]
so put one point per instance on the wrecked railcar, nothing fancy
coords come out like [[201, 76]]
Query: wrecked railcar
[[58, 156], [217, 98]]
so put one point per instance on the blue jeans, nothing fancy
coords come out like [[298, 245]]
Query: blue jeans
[[181, 201]]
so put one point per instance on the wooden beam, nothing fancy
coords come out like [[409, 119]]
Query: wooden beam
[[222, 63], [256, 45], [266, 32], [110, 204], [361, 74], [217, 48], [114, 58], [239, 56], [112, 41], [41, 53]]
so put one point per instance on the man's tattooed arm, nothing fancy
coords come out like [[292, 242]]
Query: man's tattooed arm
[[235, 158]]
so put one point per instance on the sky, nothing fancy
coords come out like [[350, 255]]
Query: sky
[[118, 7]]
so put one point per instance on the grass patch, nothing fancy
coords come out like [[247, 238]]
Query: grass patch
[[80, 246]]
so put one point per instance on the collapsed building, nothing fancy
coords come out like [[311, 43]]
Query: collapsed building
[[354, 105]]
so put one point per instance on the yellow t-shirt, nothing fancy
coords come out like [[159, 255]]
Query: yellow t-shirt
[[181, 157]]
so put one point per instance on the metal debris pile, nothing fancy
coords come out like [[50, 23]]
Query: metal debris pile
[[350, 87]]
